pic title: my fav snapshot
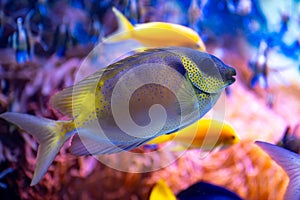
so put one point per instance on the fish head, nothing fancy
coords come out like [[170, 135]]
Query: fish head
[[206, 72], [226, 141], [230, 139], [228, 135]]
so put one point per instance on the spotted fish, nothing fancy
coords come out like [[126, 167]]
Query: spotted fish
[[128, 103]]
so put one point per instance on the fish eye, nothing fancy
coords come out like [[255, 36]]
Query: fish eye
[[233, 137]]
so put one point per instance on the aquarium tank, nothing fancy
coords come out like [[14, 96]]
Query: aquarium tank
[[150, 99]]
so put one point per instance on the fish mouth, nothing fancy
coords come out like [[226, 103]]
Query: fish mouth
[[230, 76]]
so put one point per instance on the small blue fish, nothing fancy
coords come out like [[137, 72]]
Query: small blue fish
[[132, 11], [42, 7], [21, 42], [290, 162], [3, 174], [96, 31], [61, 39]]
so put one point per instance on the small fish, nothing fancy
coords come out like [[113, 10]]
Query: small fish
[[21, 42], [42, 7], [129, 103], [195, 15], [62, 39], [3, 174], [209, 134], [156, 34], [285, 18], [200, 190], [259, 67], [290, 141], [290, 162], [132, 11], [96, 32]]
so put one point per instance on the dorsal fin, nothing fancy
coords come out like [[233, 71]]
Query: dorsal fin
[[123, 23], [124, 31]]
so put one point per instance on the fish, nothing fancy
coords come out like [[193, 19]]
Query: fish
[[155, 34], [290, 141], [195, 15], [200, 190], [259, 66], [290, 162], [62, 37], [21, 43], [209, 134], [128, 103], [3, 174], [132, 11]]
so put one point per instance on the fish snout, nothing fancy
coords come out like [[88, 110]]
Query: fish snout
[[229, 76]]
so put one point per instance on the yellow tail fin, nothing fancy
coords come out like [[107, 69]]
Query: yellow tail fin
[[47, 134]]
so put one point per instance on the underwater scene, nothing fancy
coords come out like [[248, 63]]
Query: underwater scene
[[150, 99]]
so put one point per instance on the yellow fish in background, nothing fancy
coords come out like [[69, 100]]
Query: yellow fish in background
[[199, 190], [155, 34], [214, 133], [128, 103], [161, 191]]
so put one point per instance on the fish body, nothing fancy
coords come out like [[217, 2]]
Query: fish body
[[200, 190], [290, 162], [204, 134], [129, 103], [156, 34]]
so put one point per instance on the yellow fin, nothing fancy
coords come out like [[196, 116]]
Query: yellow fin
[[125, 28], [70, 100], [161, 191], [123, 23]]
